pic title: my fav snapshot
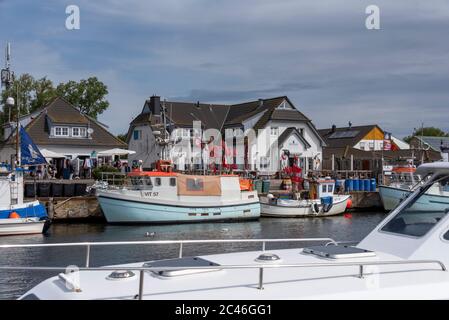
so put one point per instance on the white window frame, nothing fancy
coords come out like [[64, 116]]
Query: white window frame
[[55, 132], [82, 132], [274, 131], [362, 145]]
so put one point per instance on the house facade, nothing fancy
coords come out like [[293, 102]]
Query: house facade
[[437, 144], [256, 134], [61, 128]]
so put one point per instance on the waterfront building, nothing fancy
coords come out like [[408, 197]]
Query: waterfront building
[[287, 133], [63, 131], [437, 144]]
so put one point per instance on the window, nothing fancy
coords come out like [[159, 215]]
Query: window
[[362, 145], [158, 182], [417, 219], [137, 134], [172, 182], [196, 184], [301, 131], [186, 133], [371, 145], [79, 132], [61, 131], [274, 131]]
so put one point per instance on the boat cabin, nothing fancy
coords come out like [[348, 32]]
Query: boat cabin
[[322, 188], [419, 226]]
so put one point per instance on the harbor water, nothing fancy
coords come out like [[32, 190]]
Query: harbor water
[[15, 283]]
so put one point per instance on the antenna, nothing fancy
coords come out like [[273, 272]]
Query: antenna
[[8, 55]]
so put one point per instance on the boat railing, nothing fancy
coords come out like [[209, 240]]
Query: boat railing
[[181, 243], [75, 287]]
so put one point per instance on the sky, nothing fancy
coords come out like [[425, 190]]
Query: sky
[[318, 53]]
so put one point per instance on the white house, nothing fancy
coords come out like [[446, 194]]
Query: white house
[[280, 129], [62, 129]]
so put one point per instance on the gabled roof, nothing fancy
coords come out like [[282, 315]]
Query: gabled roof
[[220, 116], [435, 143], [346, 136], [61, 112], [288, 132]]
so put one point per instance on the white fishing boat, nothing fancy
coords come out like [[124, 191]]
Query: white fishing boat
[[168, 197], [403, 182], [404, 257], [326, 203]]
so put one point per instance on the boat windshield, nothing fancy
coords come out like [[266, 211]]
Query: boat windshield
[[421, 214]]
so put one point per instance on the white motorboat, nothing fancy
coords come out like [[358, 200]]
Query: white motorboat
[[404, 257], [403, 183], [168, 197], [326, 203]]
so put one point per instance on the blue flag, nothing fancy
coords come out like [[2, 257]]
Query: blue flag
[[30, 154]]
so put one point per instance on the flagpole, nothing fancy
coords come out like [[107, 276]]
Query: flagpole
[[18, 155]]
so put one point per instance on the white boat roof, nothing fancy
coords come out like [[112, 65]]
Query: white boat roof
[[439, 168], [279, 283]]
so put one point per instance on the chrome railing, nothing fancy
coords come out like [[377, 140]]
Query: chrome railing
[[260, 266], [181, 243]]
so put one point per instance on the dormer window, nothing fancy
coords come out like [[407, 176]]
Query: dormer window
[[79, 132], [61, 131]]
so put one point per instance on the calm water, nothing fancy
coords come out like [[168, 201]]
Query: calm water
[[13, 284]]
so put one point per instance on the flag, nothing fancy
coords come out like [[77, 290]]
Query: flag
[[387, 141], [30, 154]]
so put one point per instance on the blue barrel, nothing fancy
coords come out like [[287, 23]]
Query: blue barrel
[[349, 185], [326, 200], [373, 185], [265, 186], [367, 185], [356, 185]]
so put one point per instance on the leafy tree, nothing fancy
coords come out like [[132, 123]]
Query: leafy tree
[[426, 131], [44, 92], [122, 137], [87, 95]]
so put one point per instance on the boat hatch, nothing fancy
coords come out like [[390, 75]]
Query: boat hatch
[[181, 262], [339, 252]]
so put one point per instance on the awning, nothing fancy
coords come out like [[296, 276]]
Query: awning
[[115, 152], [50, 154]]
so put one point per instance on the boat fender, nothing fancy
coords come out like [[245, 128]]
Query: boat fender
[[315, 208], [14, 215]]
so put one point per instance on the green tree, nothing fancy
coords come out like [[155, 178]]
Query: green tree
[[427, 132], [122, 137], [87, 95], [44, 92], [22, 90]]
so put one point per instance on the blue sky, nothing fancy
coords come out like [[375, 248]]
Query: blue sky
[[319, 53]]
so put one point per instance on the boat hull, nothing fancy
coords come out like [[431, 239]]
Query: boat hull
[[19, 226], [272, 210], [25, 210], [129, 211], [391, 197]]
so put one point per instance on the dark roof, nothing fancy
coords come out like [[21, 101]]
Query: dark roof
[[346, 152], [221, 116], [434, 143], [288, 132], [62, 112], [346, 136]]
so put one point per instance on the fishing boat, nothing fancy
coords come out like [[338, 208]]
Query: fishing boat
[[16, 215], [403, 182], [323, 202], [169, 197], [403, 257]]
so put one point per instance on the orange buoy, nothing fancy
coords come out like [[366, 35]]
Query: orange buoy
[[14, 215], [349, 203]]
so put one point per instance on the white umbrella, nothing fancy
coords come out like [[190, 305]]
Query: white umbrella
[[50, 154], [116, 152]]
